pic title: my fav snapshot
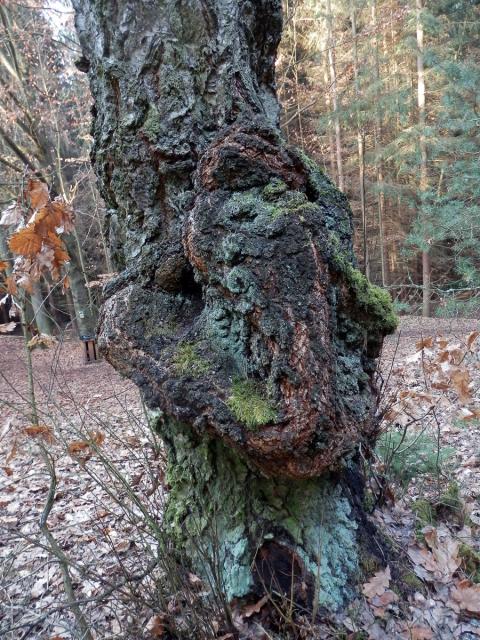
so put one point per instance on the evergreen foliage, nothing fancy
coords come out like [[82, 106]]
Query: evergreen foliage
[[373, 79]]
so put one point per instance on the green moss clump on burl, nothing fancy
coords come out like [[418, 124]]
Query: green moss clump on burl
[[187, 361], [274, 189], [249, 406], [374, 301]]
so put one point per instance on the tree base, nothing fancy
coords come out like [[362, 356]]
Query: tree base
[[246, 533]]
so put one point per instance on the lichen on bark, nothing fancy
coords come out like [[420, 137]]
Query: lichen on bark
[[220, 508], [236, 264]]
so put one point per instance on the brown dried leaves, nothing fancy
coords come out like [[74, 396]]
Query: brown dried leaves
[[36, 242], [439, 560]]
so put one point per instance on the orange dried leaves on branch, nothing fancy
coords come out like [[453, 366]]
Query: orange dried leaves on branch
[[36, 243]]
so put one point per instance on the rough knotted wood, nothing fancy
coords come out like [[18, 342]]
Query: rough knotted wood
[[238, 310]]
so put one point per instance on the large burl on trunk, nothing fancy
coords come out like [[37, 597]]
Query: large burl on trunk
[[238, 309]]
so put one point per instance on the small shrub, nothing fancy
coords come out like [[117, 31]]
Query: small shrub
[[401, 308], [408, 456], [459, 308]]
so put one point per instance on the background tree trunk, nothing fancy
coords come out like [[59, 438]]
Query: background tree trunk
[[238, 310], [333, 83], [85, 312], [426, 279], [378, 144], [360, 146], [40, 314]]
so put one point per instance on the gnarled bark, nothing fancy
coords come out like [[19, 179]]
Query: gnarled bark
[[238, 310]]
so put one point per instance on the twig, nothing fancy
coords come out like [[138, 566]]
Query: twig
[[57, 551]]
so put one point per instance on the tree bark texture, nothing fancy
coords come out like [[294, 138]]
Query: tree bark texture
[[238, 310]]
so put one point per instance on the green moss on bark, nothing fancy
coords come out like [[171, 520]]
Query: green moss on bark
[[188, 361], [375, 303], [249, 406], [152, 127], [274, 189]]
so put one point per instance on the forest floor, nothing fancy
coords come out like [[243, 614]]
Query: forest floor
[[95, 456]]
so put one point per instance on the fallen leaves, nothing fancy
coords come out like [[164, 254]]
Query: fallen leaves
[[444, 369], [77, 447], [377, 584], [156, 626], [439, 560], [471, 338], [249, 610], [41, 340], [419, 633], [39, 430], [195, 580], [424, 343], [466, 596], [379, 596]]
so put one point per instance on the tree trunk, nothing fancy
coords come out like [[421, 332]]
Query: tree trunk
[[331, 147], [238, 310], [379, 161], [85, 311], [40, 313], [360, 146], [426, 277], [333, 83]]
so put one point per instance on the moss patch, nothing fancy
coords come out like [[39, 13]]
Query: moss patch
[[450, 504], [188, 361], [369, 564], [374, 301], [274, 189], [249, 406], [470, 562], [413, 581], [152, 126], [425, 513]]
